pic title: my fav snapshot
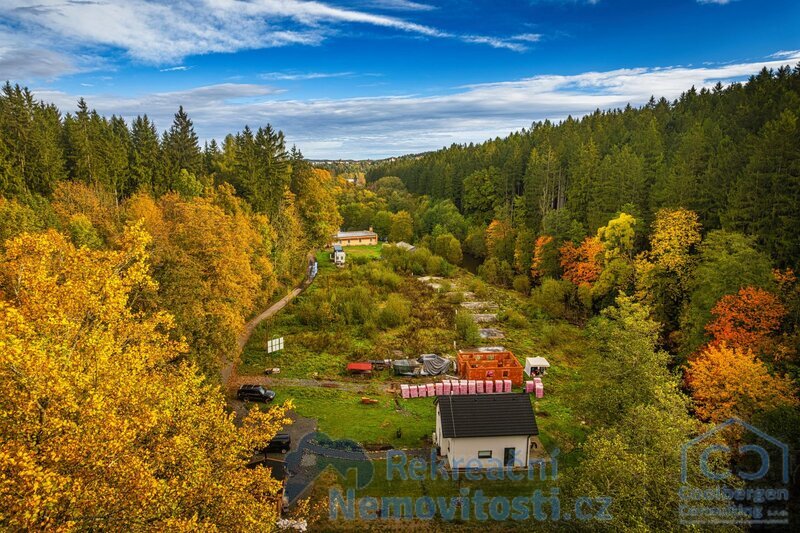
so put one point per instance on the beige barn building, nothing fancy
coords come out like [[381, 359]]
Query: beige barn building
[[355, 238]]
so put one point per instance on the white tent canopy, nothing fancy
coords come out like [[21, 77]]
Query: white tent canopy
[[536, 363]]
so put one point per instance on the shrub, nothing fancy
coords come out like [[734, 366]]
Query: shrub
[[467, 328], [522, 284], [513, 318], [395, 312], [315, 309], [480, 289], [354, 304], [379, 274], [554, 297], [455, 298], [496, 272]]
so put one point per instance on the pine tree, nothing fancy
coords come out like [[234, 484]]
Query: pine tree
[[180, 150]]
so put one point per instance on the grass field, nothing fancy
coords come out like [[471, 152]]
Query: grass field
[[340, 414], [323, 351]]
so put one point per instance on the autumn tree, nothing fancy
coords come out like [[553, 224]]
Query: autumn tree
[[664, 272], [545, 258], [581, 264], [728, 382], [402, 228], [209, 261], [726, 262], [104, 427], [618, 240], [500, 237], [746, 319]]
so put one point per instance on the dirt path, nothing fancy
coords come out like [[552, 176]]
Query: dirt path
[[229, 367], [269, 381]]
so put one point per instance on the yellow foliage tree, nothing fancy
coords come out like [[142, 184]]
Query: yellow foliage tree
[[103, 426], [728, 382], [675, 233], [210, 261]]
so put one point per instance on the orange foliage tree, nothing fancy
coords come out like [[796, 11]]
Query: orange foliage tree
[[746, 319], [497, 232], [728, 382], [580, 263], [537, 263]]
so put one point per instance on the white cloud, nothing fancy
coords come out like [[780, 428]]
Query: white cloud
[[399, 5], [179, 68], [718, 2], [159, 33], [394, 125], [299, 76], [527, 37]]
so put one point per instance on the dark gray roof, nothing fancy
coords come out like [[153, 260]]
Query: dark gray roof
[[486, 415]]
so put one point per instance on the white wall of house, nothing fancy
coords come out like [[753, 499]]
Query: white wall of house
[[462, 450]]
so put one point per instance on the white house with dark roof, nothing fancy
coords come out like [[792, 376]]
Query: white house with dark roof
[[485, 430]]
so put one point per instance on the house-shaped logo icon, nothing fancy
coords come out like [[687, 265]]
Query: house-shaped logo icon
[[743, 449]]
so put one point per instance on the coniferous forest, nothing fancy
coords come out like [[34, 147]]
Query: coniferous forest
[[721, 166], [730, 154]]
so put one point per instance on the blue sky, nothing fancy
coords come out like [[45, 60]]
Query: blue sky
[[374, 78]]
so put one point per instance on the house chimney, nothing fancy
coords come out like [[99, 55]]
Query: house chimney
[[370, 228]]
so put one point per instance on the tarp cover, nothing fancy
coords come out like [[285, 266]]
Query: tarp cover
[[403, 367], [434, 365]]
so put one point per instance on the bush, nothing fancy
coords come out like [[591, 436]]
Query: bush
[[455, 298], [379, 274], [315, 309], [496, 272], [513, 318], [479, 288], [395, 312], [354, 305], [522, 284], [467, 328], [554, 297]]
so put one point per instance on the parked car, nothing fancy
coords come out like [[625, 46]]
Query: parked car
[[255, 393], [280, 443]]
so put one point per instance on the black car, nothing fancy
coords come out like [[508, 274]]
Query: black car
[[255, 393], [280, 443]]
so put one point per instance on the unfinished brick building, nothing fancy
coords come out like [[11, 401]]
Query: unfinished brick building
[[493, 362]]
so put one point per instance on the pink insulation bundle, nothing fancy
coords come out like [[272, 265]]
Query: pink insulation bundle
[[471, 387], [537, 379], [431, 389], [489, 386], [539, 390], [479, 386], [423, 391], [446, 387], [464, 386], [529, 387], [438, 389], [507, 383], [404, 391], [499, 386], [414, 391]]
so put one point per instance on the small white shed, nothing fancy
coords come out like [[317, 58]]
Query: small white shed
[[338, 255], [536, 366]]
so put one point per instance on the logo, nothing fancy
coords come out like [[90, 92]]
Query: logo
[[315, 453], [742, 483]]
